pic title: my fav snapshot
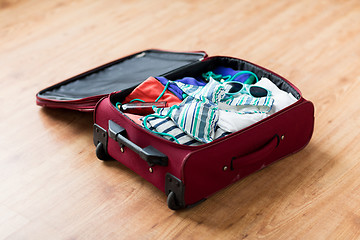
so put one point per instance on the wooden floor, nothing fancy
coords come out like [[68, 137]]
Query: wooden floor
[[53, 187]]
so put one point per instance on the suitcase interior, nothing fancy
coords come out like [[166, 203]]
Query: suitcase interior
[[196, 69], [117, 75]]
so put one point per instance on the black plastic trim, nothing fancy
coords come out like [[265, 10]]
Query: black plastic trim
[[100, 139], [174, 189], [150, 154]]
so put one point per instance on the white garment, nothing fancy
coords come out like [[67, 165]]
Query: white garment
[[281, 98], [230, 121]]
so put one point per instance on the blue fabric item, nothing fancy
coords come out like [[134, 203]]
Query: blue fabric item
[[229, 71], [175, 89]]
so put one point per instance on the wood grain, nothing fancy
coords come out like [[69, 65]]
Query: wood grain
[[52, 185]]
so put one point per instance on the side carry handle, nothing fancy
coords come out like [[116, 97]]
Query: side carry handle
[[259, 154], [150, 154]]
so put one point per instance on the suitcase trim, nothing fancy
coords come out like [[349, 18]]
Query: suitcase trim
[[174, 189], [100, 139]]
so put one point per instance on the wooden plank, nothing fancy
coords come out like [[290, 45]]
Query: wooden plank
[[51, 183]]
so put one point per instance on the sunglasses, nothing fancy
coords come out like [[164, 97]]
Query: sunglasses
[[233, 88]]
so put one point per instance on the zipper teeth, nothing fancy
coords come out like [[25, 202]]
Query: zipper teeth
[[88, 103], [73, 101]]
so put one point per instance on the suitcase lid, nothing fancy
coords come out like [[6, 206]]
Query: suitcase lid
[[83, 91]]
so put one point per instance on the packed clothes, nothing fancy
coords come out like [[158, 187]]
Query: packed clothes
[[208, 107], [150, 90]]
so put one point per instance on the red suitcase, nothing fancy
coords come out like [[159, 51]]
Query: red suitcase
[[186, 174]]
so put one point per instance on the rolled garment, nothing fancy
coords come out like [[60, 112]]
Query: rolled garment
[[281, 98]]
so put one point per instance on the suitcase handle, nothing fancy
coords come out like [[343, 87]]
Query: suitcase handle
[[259, 154], [150, 154]]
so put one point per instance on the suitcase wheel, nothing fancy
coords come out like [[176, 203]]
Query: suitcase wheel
[[101, 153], [172, 202]]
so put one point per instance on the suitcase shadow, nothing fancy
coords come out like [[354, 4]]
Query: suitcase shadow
[[73, 122], [266, 198]]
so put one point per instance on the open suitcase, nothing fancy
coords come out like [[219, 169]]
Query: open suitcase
[[186, 174]]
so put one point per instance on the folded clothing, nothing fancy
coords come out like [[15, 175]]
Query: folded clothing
[[150, 90], [231, 119], [281, 98], [206, 112], [170, 131], [197, 115]]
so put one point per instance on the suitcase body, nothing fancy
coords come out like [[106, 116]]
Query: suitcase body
[[190, 174]]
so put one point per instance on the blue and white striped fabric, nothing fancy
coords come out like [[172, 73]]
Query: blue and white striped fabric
[[166, 125], [246, 104], [197, 114], [195, 120]]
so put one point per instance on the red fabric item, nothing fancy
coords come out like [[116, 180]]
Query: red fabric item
[[134, 117], [150, 90]]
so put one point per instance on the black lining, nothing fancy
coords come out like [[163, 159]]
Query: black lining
[[198, 68], [121, 74]]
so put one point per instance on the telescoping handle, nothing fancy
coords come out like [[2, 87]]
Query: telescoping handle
[[150, 154]]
